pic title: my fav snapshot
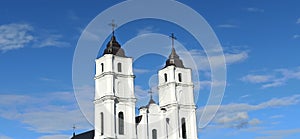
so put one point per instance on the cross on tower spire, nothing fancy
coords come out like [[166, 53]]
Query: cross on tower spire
[[150, 92], [151, 96], [173, 38], [113, 26], [74, 127]]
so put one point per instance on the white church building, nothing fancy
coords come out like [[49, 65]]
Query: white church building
[[173, 117]]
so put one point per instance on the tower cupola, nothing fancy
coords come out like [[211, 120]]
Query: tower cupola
[[173, 57], [174, 60], [113, 47]]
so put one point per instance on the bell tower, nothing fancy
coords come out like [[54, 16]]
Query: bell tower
[[114, 93], [176, 96]]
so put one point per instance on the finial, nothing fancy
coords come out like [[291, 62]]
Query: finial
[[74, 127], [150, 92], [173, 38], [151, 101], [113, 26]]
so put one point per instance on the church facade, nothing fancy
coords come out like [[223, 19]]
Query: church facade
[[173, 117]]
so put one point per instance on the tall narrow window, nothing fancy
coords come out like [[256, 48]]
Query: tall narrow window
[[166, 77], [154, 134], [121, 123], [119, 67], [167, 126], [183, 128], [179, 77], [102, 67], [102, 123]]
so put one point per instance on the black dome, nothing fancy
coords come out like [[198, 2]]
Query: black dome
[[113, 47], [174, 60]]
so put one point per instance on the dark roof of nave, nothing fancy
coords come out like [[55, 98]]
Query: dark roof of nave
[[86, 135]]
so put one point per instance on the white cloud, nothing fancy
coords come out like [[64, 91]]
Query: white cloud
[[252, 9], [15, 36], [55, 137], [236, 115], [49, 113], [202, 62], [298, 21], [227, 26]]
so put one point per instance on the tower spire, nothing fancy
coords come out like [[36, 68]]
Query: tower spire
[[173, 57], [151, 97], [113, 47]]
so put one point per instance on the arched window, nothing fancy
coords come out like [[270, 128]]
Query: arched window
[[102, 123], [119, 67], [154, 134], [102, 67], [121, 123], [179, 77], [166, 77], [183, 128]]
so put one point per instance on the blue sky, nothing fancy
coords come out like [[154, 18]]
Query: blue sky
[[261, 42]]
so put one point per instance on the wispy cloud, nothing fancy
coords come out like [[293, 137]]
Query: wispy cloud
[[278, 134], [146, 30], [203, 64], [141, 71], [237, 115], [296, 36], [298, 21], [15, 36], [257, 78], [72, 15], [275, 78], [43, 114], [55, 137], [227, 26], [52, 40], [245, 96], [4, 137], [276, 116], [47, 79], [253, 9]]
